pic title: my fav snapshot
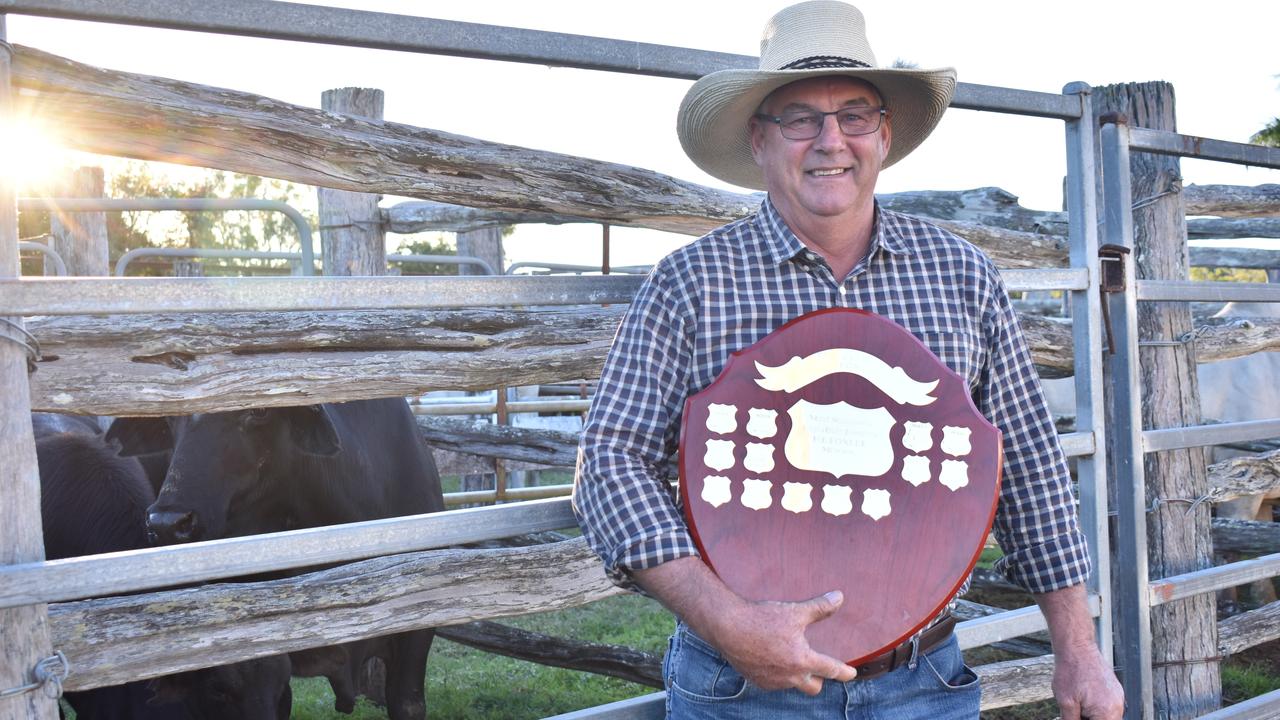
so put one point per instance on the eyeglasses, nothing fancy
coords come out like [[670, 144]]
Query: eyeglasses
[[807, 124]]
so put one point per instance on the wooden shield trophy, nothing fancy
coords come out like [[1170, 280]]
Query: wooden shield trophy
[[839, 453]]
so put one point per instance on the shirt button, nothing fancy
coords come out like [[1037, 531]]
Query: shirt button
[[842, 291]]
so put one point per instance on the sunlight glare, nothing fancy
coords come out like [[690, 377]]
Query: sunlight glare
[[32, 158]]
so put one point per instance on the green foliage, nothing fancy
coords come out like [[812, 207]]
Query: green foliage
[[1243, 681], [435, 244], [235, 230], [1222, 274], [1269, 135]]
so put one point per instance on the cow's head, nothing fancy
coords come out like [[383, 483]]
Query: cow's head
[[225, 466], [253, 689]]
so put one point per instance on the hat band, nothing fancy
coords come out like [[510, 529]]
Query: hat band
[[824, 61]]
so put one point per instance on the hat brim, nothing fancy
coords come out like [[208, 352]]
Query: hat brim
[[713, 119]]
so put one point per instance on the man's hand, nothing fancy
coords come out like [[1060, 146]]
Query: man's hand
[[765, 642], [1084, 684], [762, 640]]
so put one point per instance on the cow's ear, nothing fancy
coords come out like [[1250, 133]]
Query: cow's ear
[[140, 436], [313, 431]]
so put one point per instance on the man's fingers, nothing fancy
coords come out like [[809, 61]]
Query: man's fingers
[[811, 685], [823, 606]]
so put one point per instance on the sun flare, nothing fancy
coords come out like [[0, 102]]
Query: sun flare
[[31, 155]]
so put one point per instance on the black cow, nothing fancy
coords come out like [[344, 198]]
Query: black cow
[[44, 424], [93, 501], [248, 472]]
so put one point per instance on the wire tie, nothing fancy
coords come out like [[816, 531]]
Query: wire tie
[[1183, 339], [49, 674], [32, 347]]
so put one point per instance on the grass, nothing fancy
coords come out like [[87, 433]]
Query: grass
[[1243, 680], [466, 683]]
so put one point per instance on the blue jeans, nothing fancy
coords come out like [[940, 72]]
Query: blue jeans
[[702, 685]]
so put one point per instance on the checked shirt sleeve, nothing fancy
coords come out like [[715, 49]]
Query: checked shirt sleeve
[[1036, 523], [623, 499]]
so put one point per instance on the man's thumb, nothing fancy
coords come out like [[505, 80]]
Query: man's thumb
[[825, 606]]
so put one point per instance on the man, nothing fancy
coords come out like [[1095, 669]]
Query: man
[[813, 127]]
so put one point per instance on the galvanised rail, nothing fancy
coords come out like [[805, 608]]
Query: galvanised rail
[[1135, 592], [181, 204], [59, 265], [123, 263]]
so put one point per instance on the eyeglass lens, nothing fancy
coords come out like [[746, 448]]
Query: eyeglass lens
[[808, 125]]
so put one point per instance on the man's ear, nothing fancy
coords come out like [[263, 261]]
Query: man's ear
[[755, 130], [886, 136]]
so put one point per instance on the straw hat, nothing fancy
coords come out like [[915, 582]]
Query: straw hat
[[810, 39]]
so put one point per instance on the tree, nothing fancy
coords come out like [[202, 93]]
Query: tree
[[435, 244], [242, 230], [1269, 135]]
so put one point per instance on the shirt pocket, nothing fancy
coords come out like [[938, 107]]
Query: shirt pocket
[[959, 349]]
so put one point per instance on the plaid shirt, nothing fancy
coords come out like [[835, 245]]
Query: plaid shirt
[[737, 284]]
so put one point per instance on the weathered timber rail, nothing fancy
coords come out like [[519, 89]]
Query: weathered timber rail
[[180, 364]]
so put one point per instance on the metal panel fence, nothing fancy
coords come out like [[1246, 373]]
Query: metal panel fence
[[36, 582], [1135, 593]]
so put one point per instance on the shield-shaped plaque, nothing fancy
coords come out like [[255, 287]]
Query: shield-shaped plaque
[[839, 453]]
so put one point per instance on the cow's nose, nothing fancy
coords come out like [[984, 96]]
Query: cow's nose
[[165, 527]]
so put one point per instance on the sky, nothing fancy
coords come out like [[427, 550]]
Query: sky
[[1222, 59]]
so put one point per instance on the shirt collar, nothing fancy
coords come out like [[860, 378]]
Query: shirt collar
[[781, 243]]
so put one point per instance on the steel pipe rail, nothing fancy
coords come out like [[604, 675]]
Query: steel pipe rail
[[183, 205], [1178, 587], [123, 263], [408, 33], [59, 266], [446, 260], [1078, 444], [1215, 434], [488, 407], [1262, 707], [1185, 291], [509, 494], [566, 267], [136, 570], [1056, 279], [1162, 142], [105, 296]]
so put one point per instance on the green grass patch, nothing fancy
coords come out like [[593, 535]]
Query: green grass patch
[[989, 557], [1244, 681], [467, 683]]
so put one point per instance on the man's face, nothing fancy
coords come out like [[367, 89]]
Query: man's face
[[831, 174]]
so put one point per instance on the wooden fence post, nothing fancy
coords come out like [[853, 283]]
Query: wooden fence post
[[351, 234], [1184, 637], [486, 244], [24, 631], [81, 237]]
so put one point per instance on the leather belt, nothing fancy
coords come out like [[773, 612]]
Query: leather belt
[[901, 655]]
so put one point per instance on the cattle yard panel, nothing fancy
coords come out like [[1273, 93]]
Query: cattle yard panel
[[119, 296], [1134, 592], [378, 30], [136, 570]]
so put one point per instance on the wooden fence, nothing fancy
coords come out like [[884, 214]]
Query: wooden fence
[[193, 345]]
